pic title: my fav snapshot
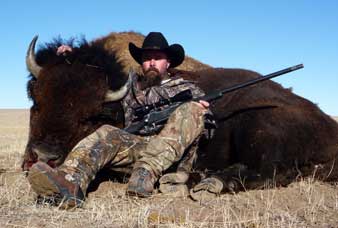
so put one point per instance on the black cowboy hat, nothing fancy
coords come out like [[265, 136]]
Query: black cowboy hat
[[156, 41]]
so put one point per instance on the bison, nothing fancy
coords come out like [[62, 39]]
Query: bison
[[265, 128], [68, 93]]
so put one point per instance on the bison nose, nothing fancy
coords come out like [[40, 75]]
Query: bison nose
[[48, 153]]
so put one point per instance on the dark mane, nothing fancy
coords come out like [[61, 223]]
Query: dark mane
[[89, 54]]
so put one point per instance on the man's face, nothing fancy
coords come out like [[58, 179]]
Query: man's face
[[154, 66], [155, 60]]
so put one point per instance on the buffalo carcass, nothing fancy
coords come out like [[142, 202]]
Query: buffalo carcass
[[68, 92], [265, 132], [266, 128]]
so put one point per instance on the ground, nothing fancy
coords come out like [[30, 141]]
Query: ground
[[305, 203]]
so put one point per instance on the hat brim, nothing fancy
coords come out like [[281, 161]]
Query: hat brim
[[175, 53]]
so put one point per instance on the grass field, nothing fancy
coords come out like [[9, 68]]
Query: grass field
[[305, 203]]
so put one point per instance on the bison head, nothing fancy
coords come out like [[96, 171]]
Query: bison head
[[69, 94]]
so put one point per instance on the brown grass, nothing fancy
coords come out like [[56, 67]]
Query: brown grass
[[305, 203]]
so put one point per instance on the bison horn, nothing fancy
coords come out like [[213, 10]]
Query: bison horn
[[118, 94], [32, 66]]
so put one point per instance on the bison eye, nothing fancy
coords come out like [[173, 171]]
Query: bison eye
[[35, 107], [30, 88]]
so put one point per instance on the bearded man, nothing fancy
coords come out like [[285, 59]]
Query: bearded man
[[149, 155]]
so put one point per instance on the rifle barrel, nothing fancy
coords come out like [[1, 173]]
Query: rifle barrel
[[264, 78], [215, 96]]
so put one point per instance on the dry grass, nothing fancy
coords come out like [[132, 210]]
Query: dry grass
[[306, 203]]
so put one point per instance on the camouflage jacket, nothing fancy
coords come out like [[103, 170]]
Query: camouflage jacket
[[167, 89]]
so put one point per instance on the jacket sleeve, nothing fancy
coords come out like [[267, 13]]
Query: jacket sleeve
[[128, 102], [128, 112]]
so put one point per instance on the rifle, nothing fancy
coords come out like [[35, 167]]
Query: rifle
[[149, 116]]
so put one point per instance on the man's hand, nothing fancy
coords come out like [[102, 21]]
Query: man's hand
[[63, 49], [204, 104]]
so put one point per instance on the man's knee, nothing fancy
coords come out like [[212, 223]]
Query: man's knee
[[192, 109], [193, 106], [188, 115], [100, 134], [107, 128]]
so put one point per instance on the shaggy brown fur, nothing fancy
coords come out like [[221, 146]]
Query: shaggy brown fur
[[273, 132], [118, 44], [68, 97], [270, 130], [67, 94]]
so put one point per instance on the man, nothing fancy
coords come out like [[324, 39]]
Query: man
[[148, 155]]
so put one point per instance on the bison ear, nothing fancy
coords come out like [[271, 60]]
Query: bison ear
[[31, 64], [120, 93]]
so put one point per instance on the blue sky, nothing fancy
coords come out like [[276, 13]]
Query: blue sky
[[263, 36]]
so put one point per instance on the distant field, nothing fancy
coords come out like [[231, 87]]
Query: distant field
[[305, 203]]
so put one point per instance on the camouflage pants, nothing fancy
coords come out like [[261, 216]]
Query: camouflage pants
[[112, 147]]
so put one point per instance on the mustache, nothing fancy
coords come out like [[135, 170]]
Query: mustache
[[152, 69]]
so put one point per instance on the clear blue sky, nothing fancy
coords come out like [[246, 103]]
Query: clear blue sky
[[263, 36]]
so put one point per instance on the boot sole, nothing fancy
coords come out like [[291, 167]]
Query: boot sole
[[40, 177], [40, 182]]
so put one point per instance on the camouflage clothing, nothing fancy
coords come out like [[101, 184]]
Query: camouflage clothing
[[112, 147], [168, 88]]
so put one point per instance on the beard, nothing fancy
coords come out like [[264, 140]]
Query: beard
[[151, 77]]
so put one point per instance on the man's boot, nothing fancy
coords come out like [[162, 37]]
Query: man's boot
[[141, 183], [51, 183]]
